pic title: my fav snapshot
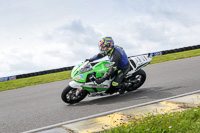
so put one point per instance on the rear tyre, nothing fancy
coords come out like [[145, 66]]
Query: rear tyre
[[69, 95], [140, 76]]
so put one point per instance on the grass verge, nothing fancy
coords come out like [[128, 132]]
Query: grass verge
[[174, 122], [19, 83], [175, 56]]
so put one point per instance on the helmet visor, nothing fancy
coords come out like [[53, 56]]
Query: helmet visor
[[101, 46], [102, 49]]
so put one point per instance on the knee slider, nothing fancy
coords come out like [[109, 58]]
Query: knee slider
[[115, 84]]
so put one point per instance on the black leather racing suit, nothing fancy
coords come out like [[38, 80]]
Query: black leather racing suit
[[120, 65]]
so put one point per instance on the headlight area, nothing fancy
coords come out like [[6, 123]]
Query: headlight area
[[84, 70]]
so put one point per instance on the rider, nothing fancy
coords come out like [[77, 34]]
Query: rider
[[119, 60]]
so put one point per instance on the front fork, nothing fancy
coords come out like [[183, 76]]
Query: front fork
[[76, 85]]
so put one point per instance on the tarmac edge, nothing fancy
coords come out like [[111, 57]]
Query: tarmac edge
[[114, 118]]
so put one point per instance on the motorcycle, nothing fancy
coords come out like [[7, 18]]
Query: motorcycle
[[84, 76]]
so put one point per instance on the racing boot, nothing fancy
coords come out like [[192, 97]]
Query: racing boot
[[122, 88], [111, 90]]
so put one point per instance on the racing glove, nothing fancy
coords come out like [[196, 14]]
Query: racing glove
[[100, 80], [90, 60]]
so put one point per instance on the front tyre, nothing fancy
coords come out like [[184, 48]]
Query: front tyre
[[140, 77], [69, 95]]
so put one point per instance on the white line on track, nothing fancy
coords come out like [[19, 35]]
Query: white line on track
[[108, 112]]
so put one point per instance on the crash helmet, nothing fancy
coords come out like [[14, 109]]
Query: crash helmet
[[106, 45]]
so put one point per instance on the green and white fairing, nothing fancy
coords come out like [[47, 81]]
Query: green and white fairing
[[81, 74], [84, 76]]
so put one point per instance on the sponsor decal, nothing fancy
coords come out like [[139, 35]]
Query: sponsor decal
[[96, 85], [12, 78], [139, 59], [156, 54], [80, 77], [8, 78], [107, 65], [143, 58], [76, 78]]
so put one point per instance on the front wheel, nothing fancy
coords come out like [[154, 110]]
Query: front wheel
[[69, 95], [140, 77]]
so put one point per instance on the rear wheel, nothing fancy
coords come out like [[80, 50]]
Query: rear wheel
[[139, 78], [69, 95]]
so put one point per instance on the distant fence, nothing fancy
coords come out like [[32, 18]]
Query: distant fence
[[70, 67]]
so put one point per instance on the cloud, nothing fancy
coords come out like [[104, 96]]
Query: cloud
[[158, 28], [14, 60], [42, 35], [76, 38], [63, 46]]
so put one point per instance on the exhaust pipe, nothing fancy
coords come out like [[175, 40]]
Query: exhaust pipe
[[133, 81]]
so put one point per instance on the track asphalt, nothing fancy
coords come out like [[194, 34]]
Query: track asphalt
[[38, 106]]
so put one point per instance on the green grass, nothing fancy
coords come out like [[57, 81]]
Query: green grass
[[19, 83], [176, 56], [176, 122]]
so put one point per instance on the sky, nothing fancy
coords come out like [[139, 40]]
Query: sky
[[37, 35]]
